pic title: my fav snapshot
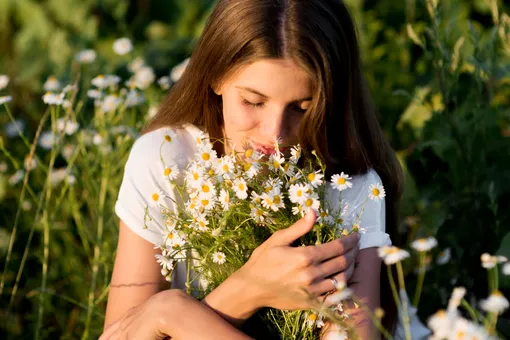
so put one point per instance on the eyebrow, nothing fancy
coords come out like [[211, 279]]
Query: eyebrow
[[265, 96]]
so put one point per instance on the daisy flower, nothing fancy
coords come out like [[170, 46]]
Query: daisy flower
[[294, 178], [206, 155], [251, 169], [275, 162], [157, 198], [424, 244], [240, 188], [202, 223], [312, 202], [324, 217], [297, 209], [392, 254], [122, 46], [272, 183], [110, 103], [207, 189], [341, 182], [164, 82], [201, 138], [67, 125], [144, 77], [51, 98], [225, 165], [51, 84], [5, 99], [376, 192], [171, 238], [165, 263], [224, 199], [272, 200], [195, 175], [295, 153], [298, 193], [206, 201], [456, 298], [315, 179], [171, 172], [440, 323], [219, 257], [489, 261], [315, 320], [170, 135], [258, 214], [495, 303]]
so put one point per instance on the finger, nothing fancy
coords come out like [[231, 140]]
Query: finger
[[336, 247], [295, 231], [326, 285], [338, 264]]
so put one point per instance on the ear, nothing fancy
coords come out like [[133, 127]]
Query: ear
[[217, 89]]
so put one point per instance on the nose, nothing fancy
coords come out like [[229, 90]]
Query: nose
[[274, 125]]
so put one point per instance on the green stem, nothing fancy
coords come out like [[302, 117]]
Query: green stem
[[393, 286], [405, 315], [421, 278]]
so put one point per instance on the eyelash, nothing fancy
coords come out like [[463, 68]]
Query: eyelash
[[261, 105]]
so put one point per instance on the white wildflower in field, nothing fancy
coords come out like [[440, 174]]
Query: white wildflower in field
[[206, 155], [12, 129], [178, 70], [4, 81], [240, 188], [104, 81], [207, 189], [225, 166], [273, 200], [94, 94], [440, 323], [444, 256], [67, 126], [219, 257], [136, 64], [16, 177], [51, 98], [5, 99], [311, 203], [157, 198], [495, 303], [506, 269], [86, 56], [251, 169], [295, 152], [170, 135], [195, 176], [489, 261], [57, 175], [392, 254], [171, 172], [144, 77], [97, 139], [258, 214], [164, 82], [30, 163], [456, 298], [134, 98], [110, 103], [165, 263], [424, 244], [52, 84], [275, 161], [325, 217], [377, 192], [341, 182], [122, 46], [201, 223]]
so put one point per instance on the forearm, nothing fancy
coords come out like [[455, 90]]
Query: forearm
[[234, 300], [190, 319]]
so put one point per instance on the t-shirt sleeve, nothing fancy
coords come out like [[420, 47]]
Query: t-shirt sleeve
[[373, 215], [145, 180]]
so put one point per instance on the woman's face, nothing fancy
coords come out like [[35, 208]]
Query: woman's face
[[264, 100]]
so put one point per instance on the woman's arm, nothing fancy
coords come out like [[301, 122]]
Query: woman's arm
[[365, 284]]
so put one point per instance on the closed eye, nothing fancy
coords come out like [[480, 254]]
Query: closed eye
[[255, 105]]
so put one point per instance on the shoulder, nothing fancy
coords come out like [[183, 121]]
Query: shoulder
[[172, 145]]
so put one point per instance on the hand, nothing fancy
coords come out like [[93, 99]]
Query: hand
[[277, 272], [145, 321]]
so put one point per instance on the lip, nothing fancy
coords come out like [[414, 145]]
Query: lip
[[265, 149]]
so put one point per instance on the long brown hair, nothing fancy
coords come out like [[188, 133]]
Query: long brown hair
[[341, 123]]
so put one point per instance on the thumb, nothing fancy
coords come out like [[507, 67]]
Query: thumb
[[295, 231]]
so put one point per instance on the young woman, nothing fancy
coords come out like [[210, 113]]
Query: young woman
[[266, 68]]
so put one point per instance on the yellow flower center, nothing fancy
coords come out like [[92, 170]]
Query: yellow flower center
[[211, 172], [312, 317], [155, 196], [248, 153], [311, 176], [205, 203], [171, 236], [277, 199], [324, 214], [206, 156], [340, 221], [205, 188], [299, 193], [460, 334], [309, 202], [268, 200], [201, 223], [168, 171], [259, 212], [168, 138], [268, 189], [241, 186], [247, 166], [375, 192], [225, 167], [341, 181], [286, 166], [195, 176], [276, 164]]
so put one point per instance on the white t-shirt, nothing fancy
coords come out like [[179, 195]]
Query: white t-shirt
[[144, 175]]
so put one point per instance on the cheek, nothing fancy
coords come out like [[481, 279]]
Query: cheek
[[238, 117]]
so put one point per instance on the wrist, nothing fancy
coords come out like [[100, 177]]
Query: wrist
[[235, 300]]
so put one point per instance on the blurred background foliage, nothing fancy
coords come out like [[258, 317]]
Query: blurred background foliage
[[442, 87]]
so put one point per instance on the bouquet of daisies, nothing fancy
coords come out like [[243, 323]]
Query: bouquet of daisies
[[232, 204]]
